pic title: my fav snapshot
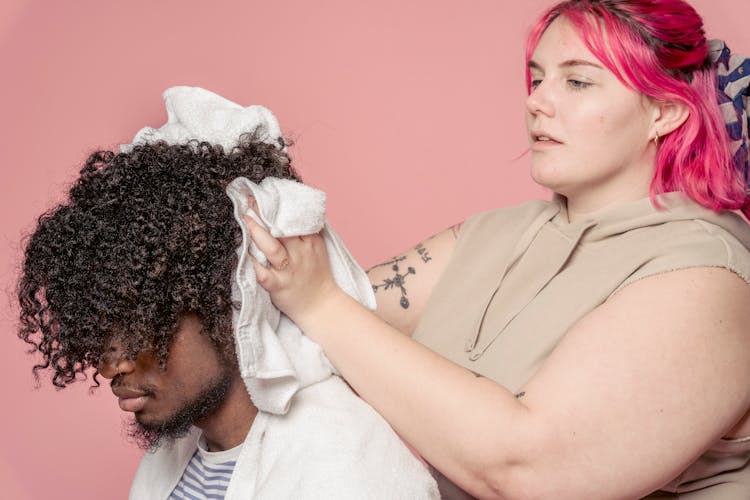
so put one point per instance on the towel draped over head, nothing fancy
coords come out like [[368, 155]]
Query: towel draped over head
[[313, 437], [275, 359]]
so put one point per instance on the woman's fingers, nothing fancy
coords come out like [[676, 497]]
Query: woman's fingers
[[272, 248], [263, 275], [298, 272]]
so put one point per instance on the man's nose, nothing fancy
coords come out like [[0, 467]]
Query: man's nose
[[114, 361]]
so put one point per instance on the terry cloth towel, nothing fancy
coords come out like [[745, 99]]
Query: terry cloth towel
[[276, 360], [313, 438], [194, 113]]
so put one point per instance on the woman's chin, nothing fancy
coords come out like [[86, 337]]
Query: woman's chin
[[548, 177]]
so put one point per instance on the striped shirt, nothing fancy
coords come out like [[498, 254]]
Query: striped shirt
[[207, 475]]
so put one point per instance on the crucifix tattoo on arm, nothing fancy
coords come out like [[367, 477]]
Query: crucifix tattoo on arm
[[402, 271], [397, 281]]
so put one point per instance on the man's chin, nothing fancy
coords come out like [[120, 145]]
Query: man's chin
[[150, 436]]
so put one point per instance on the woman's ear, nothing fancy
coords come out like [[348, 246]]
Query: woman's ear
[[668, 116]]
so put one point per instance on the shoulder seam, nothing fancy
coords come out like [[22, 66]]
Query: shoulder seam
[[730, 256]]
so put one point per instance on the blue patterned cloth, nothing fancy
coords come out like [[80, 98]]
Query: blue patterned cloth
[[733, 75]]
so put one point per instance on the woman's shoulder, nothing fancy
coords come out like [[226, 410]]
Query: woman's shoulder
[[709, 239], [685, 217]]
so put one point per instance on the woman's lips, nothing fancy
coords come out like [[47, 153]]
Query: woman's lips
[[538, 145], [541, 140]]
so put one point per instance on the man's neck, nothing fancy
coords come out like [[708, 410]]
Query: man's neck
[[228, 426]]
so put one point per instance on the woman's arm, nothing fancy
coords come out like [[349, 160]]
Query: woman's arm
[[403, 284], [633, 394]]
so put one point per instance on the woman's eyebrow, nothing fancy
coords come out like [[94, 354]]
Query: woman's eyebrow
[[567, 63], [580, 62]]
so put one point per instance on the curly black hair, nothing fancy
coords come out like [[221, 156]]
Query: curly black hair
[[144, 237]]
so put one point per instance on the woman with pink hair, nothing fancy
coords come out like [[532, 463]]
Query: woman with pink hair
[[591, 346]]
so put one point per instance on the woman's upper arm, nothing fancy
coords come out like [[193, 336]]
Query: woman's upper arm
[[403, 284], [642, 385]]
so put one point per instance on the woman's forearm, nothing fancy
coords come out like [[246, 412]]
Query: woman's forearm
[[470, 428], [459, 422]]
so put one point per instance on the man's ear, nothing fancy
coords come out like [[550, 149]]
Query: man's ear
[[668, 116]]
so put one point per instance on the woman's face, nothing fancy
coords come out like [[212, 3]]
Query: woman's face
[[590, 135]]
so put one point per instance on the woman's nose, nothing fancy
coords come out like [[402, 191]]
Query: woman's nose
[[539, 101], [114, 362]]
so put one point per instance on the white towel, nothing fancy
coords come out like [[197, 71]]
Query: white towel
[[194, 113], [313, 437], [276, 360]]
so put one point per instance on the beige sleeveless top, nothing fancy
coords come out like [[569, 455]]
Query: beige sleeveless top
[[521, 276]]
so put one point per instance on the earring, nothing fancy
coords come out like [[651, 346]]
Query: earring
[[656, 139]]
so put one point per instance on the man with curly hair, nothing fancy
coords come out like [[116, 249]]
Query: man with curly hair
[[132, 278], [134, 270]]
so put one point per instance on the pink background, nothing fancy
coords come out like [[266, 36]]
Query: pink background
[[409, 114]]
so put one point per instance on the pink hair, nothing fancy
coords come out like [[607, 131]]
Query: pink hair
[[658, 48]]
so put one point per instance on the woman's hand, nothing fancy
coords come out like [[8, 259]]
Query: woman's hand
[[298, 275]]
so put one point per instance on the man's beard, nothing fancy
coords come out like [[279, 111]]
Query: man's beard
[[151, 436]]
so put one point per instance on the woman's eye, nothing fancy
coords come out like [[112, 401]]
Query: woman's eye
[[535, 83], [578, 84]]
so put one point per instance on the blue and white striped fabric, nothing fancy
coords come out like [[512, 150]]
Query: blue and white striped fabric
[[207, 475], [733, 75]]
